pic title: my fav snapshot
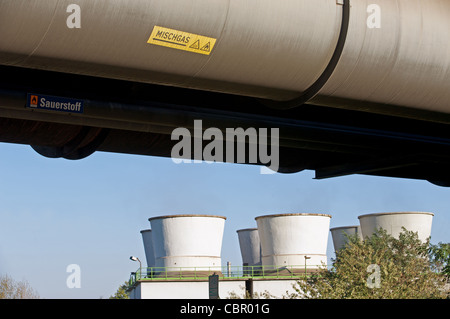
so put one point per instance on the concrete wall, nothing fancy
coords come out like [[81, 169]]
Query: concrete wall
[[419, 222], [287, 238], [148, 247], [185, 289], [199, 289], [339, 235], [188, 240], [275, 287], [250, 246]]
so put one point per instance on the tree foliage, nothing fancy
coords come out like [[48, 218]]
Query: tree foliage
[[121, 292], [12, 289], [403, 264], [440, 258]]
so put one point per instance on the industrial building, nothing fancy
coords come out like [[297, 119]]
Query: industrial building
[[183, 251], [350, 87]]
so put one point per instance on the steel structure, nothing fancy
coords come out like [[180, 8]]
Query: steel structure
[[348, 96]]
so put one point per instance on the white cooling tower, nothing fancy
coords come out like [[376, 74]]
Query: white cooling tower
[[419, 222], [286, 239], [340, 234], [250, 245], [188, 241], [148, 247]]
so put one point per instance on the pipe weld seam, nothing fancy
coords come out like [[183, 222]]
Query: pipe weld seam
[[311, 91]]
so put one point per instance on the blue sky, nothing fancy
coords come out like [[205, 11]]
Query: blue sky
[[57, 212]]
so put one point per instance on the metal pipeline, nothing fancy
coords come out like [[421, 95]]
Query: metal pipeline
[[318, 51], [315, 88]]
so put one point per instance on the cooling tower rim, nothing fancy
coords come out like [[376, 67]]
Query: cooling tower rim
[[293, 214], [185, 215], [396, 213], [246, 229], [145, 230], [342, 227]]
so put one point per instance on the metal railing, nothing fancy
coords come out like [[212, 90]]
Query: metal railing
[[224, 272]]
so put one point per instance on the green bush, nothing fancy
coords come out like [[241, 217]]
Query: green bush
[[380, 267]]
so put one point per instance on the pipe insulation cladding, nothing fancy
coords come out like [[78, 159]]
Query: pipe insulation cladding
[[322, 52]]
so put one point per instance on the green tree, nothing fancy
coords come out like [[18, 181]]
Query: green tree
[[440, 258], [121, 292], [379, 267], [12, 289]]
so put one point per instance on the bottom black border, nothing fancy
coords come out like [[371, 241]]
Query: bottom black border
[[223, 308]]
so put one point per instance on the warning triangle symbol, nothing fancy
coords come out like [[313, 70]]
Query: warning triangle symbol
[[195, 45], [206, 47]]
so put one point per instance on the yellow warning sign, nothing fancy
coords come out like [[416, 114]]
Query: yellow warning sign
[[181, 40]]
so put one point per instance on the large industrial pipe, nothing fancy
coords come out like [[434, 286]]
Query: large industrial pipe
[[329, 51]]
